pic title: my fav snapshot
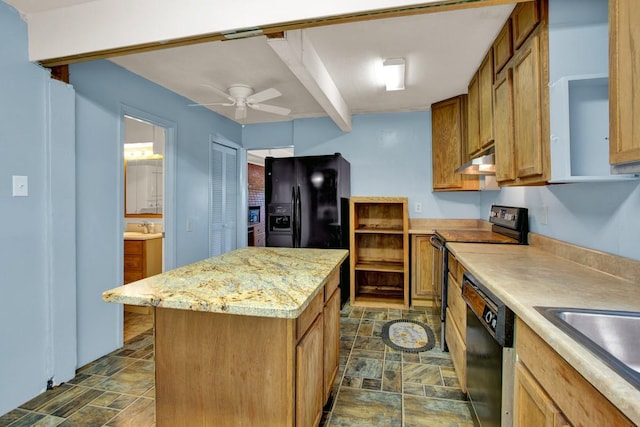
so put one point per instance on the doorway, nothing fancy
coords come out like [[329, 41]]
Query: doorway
[[144, 145]]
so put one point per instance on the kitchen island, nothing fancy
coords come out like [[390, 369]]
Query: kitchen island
[[250, 337]]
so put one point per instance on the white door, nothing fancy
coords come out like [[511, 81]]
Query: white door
[[223, 199]]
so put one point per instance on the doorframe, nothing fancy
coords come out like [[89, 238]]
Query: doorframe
[[242, 207], [169, 256]]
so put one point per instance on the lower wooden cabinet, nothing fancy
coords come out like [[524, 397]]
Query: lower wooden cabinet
[[421, 270], [534, 406], [550, 392], [456, 323], [309, 379], [331, 320], [142, 258]]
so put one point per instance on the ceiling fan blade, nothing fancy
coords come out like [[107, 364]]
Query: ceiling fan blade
[[271, 109], [264, 95], [219, 92], [223, 104]]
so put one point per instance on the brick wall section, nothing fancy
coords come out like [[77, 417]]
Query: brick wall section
[[256, 189]]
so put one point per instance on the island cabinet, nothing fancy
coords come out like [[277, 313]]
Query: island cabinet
[[449, 145], [624, 73], [456, 322], [232, 370], [521, 102], [379, 252], [422, 253], [549, 392]]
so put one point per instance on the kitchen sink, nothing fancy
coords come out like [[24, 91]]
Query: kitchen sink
[[613, 336]]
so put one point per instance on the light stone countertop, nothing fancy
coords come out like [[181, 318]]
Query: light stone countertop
[[136, 235], [526, 276], [253, 281]]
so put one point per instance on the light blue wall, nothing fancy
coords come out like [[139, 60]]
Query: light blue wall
[[390, 155], [103, 88], [602, 216], [37, 244]]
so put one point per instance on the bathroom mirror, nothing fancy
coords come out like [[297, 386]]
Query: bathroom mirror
[[143, 169]]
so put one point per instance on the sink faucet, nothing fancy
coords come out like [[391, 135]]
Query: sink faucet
[[147, 227]]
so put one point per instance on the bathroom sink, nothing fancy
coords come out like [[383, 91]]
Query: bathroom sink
[[141, 236], [610, 335]]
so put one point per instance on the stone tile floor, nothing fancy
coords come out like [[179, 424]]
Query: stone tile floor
[[376, 385]]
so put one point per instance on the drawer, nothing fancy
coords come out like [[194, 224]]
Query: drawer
[[132, 276], [259, 239], [456, 305], [309, 315], [458, 351], [452, 264], [132, 247], [332, 284], [132, 263], [461, 271], [258, 228]]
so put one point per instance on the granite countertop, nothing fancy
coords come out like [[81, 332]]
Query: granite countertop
[[526, 276], [253, 281]]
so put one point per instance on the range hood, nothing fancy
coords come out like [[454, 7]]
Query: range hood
[[482, 165]]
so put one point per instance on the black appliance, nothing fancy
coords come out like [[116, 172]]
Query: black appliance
[[490, 355], [509, 225], [308, 204]]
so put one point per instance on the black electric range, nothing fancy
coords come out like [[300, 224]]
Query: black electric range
[[509, 225]]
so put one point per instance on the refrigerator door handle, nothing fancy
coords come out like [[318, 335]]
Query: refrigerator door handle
[[298, 218], [293, 217]]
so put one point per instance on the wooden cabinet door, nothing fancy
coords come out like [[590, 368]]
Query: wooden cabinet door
[[485, 99], [503, 115], [624, 73], [331, 341], [448, 139], [528, 110], [532, 405], [502, 48], [422, 270], [473, 117], [525, 17], [309, 375]]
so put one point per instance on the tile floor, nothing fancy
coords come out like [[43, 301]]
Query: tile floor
[[376, 385]]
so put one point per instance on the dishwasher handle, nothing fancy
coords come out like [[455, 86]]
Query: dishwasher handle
[[436, 242]]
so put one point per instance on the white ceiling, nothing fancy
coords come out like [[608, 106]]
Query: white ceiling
[[442, 50]]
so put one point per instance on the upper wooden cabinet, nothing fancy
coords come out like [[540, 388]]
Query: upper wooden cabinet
[[485, 99], [521, 106], [473, 117], [504, 129], [624, 74], [502, 47], [449, 142], [524, 19]]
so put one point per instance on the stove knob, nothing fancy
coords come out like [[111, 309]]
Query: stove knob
[[493, 323], [488, 317]]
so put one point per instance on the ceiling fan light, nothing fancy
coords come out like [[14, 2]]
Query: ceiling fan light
[[393, 71]]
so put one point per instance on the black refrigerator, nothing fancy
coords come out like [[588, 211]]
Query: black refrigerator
[[307, 201]]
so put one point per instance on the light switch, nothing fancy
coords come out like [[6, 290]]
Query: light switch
[[20, 186]]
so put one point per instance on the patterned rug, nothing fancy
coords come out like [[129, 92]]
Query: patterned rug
[[408, 335]]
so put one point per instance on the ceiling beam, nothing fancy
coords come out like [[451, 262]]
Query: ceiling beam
[[297, 52], [84, 32]]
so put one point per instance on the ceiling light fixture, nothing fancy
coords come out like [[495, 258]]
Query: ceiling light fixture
[[393, 69]]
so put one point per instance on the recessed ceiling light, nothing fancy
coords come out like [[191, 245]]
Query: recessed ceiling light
[[393, 69]]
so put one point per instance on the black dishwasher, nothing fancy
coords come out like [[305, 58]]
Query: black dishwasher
[[490, 355]]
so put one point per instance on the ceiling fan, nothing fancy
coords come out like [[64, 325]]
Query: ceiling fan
[[242, 96]]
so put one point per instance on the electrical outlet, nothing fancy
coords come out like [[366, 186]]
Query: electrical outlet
[[418, 207], [189, 225], [544, 215], [20, 186]]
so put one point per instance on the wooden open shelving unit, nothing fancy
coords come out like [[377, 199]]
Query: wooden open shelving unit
[[379, 233]]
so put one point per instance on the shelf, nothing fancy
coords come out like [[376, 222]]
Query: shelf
[[381, 266], [379, 252], [370, 230]]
